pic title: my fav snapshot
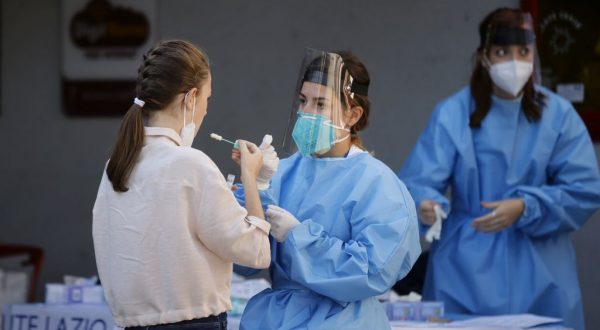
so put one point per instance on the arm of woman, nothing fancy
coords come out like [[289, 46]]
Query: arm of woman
[[225, 227], [429, 166], [572, 193], [383, 248], [267, 196]]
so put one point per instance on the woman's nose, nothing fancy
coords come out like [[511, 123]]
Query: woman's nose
[[309, 108]]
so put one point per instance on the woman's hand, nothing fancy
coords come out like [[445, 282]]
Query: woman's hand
[[505, 213], [251, 160], [427, 212], [236, 156]]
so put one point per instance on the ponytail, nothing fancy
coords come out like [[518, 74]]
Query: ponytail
[[357, 141], [126, 150]]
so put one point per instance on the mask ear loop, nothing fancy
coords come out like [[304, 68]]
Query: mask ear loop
[[193, 109], [185, 107], [329, 123], [342, 139]]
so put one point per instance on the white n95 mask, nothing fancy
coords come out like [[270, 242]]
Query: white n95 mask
[[188, 131], [511, 76]]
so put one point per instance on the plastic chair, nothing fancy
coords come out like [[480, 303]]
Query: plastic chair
[[35, 259]]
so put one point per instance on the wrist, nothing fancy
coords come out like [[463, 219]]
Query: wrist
[[248, 178], [522, 203], [248, 172]]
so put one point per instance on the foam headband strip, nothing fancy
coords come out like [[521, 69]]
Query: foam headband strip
[[505, 36]]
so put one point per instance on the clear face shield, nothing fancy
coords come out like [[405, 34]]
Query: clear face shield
[[510, 52], [322, 93]]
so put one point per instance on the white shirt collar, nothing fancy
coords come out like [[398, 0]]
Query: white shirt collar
[[163, 131], [354, 150]]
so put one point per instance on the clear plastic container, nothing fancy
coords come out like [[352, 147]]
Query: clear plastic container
[[431, 310], [415, 311], [401, 311]]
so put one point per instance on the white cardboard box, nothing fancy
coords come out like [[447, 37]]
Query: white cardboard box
[[74, 294]]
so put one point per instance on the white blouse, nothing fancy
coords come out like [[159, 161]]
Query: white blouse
[[165, 248]]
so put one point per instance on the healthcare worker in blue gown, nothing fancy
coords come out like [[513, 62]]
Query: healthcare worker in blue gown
[[345, 227], [523, 176]]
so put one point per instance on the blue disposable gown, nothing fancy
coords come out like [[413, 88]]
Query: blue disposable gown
[[358, 235], [530, 266]]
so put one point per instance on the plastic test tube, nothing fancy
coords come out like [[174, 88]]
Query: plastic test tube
[[230, 180]]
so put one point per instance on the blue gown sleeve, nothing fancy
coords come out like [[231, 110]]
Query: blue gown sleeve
[[244, 271], [384, 246], [266, 198], [572, 193], [429, 167]]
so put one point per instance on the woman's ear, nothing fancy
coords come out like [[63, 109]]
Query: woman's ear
[[481, 58], [192, 96], [353, 115]]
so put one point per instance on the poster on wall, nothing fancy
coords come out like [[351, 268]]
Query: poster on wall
[[568, 39], [102, 46]]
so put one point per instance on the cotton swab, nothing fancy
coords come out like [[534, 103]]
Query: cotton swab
[[220, 138]]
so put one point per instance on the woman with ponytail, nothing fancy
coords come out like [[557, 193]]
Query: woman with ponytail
[[166, 227]]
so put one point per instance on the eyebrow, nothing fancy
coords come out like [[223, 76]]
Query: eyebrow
[[318, 98]]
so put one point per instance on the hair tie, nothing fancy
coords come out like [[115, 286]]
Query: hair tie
[[139, 102]]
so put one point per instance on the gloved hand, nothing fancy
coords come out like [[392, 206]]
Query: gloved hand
[[427, 212], [251, 160], [281, 222], [504, 214], [435, 230], [270, 163]]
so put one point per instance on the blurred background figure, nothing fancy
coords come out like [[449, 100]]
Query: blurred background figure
[[523, 175]]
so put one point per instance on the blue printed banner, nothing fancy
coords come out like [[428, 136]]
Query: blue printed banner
[[57, 317]]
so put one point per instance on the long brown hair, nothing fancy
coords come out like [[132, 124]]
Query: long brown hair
[[170, 68], [532, 102], [359, 73]]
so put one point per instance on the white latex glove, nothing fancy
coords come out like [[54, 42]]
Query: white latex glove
[[281, 222], [270, 163], [435, 230]]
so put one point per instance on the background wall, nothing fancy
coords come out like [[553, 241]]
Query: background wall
[[418, 52]]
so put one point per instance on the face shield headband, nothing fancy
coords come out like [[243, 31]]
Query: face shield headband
[[506, 36], [352, 87]]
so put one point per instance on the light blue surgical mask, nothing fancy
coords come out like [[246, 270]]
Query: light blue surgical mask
[[314, 133]]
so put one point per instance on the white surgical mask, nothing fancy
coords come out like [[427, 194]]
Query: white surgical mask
[[511, 76], [188, 131]]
